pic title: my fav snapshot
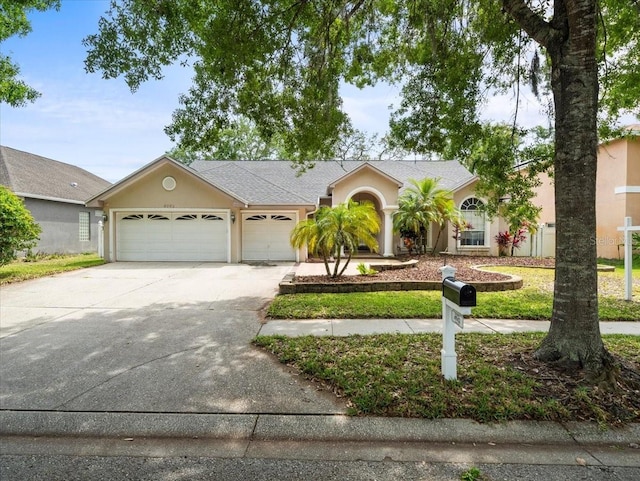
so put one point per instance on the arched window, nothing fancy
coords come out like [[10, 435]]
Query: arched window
[[475, 219]]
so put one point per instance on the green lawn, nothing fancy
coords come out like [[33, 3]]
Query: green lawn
[[24, 269], [533, 301], [498, 379]]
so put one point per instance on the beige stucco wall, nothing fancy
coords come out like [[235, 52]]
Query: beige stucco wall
[[545, 197], [610, 207], [190, 192], [367, 180], [146, 191], [368, 184], [632, 200], [633, 163], [618, 166]]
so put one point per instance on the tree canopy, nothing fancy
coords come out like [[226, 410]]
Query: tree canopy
[[280, 63], [14, 21], [242, 141]]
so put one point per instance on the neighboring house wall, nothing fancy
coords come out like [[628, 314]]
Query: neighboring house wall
[[545, 198], [62, 235], [617, 197], [543, 243], [611, 207], [632, 199]]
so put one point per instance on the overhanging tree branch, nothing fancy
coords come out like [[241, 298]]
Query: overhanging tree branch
[[531, 22]]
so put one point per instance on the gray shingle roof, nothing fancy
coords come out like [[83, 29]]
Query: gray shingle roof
[[277, 182], [33, 175]]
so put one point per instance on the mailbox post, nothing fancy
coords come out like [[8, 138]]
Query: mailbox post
[[457, 300]]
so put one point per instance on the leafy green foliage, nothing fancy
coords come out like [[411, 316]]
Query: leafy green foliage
[[423, 203], [473, 474], [365, 270], [619, 52], [339, 230], [240, 141], [14, 21], [508, 174], [18, 230]]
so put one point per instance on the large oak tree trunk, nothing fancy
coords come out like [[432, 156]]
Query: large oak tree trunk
[[574, 335]]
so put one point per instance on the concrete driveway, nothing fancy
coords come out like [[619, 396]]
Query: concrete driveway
[[147, 337]]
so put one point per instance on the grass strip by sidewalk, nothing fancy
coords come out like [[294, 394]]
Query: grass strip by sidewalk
[[520, 304], [498, 379], [24, 269]]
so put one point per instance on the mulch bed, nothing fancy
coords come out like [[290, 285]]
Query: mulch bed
[[619, 399], [427, 269]]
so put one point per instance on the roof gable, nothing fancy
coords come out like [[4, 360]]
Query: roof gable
[[149, 168], [30, 175], [358, 170]]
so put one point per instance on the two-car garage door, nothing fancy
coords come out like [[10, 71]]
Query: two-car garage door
[[172, 236]]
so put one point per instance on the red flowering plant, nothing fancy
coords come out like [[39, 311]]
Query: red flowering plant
[[504, 241]]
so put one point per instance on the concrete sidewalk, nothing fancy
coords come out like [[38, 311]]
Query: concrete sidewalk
[[347, 327]]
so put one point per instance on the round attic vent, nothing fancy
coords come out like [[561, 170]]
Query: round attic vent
[[169, 183]]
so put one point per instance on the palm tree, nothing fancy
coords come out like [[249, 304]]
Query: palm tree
[[339, 230], [421, 204], [410, 220]]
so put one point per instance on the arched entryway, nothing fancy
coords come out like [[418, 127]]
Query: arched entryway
[[385, 236]]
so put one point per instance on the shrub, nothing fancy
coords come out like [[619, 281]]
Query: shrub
[[18, 230], [365, 270]]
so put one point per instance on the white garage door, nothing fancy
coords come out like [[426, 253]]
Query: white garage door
[[163, 236], [265, 237]]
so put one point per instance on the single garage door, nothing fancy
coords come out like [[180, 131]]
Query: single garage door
[[163, 236], [265, 237]]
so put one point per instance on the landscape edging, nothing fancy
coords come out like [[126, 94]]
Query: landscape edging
[[289, 286]]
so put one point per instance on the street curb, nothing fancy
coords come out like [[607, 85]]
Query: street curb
[[117, 425], [311, 428]]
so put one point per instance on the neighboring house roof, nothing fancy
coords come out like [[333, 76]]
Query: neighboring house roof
[[273, 182], [37, 177]]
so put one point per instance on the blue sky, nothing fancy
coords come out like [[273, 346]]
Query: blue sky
[[101, 126]]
